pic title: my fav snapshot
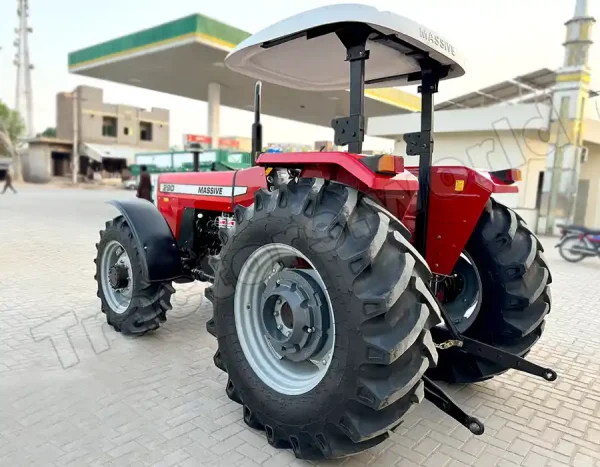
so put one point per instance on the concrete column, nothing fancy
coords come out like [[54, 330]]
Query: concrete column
[[75, 154], [214, 112]]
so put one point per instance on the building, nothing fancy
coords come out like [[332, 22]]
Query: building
[[45, 158], [235, 143], [536, 122], [107, 136], [110, 124]]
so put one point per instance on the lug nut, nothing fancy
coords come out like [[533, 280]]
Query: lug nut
[[310, 330], [275, 313], [280, 327]]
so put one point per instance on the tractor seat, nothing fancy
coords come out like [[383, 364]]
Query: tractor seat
[[581, 228]]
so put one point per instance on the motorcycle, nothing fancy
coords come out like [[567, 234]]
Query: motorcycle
[[578, 242]]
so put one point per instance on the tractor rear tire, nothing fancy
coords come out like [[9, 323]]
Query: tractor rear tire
[[145, 305], [382, 315], [515, 297]]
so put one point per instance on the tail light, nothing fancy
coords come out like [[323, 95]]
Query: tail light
[[390, 165], [386, 164], [506, 176]]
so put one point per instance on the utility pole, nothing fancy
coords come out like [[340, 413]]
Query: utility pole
[[24, 66], [76, 114]]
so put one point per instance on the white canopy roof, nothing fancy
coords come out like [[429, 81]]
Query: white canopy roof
[[98, 152], [318, 64]]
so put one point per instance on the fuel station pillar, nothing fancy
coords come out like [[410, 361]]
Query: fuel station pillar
[[214, 113]]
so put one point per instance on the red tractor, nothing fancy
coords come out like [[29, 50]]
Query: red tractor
[[342, 285]]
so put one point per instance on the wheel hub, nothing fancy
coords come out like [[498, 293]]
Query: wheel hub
[[460, 293], [294, 314], [118, 276], [287, 369]]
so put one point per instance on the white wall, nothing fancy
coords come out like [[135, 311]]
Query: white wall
[[492, 151], [518, 118], [36, 164], [590, 170]]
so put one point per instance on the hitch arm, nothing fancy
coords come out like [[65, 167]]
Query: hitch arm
[[508, 360], [489, 352], [437, 396]]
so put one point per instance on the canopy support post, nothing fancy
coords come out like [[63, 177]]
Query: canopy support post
[[351, 130]]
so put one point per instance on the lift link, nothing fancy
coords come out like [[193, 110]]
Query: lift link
[[507, 359], [489, 352], [435, 395]]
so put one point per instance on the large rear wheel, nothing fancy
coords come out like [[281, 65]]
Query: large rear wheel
[[322, 318], [498, 295]]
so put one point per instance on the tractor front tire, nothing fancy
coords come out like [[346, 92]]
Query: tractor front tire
[[381, 314], [515, 297], [138, 306]]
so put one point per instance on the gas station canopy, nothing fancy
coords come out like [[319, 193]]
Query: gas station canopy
[[185, 58]]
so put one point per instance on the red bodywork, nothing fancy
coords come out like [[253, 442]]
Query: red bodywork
[[458, 195], [453, 214], [171, 205]]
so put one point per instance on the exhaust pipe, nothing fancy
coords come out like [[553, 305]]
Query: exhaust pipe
[[256, 126]]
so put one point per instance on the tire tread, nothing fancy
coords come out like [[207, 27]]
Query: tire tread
[[516, 295]]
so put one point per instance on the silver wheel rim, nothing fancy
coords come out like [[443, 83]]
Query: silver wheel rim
[[277, 372], [475, 304], [118, 299]]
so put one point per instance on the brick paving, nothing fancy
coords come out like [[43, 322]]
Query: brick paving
[[74, 392]]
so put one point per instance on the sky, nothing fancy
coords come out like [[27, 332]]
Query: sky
[[499, 40]]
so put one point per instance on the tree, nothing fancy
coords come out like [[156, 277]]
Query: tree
[[12, 129], [48, 133]]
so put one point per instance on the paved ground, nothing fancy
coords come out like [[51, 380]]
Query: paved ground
[[74, 392]]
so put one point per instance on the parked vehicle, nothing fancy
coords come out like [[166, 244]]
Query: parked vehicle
[[578, 242], [131, 183], [342, 284]]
